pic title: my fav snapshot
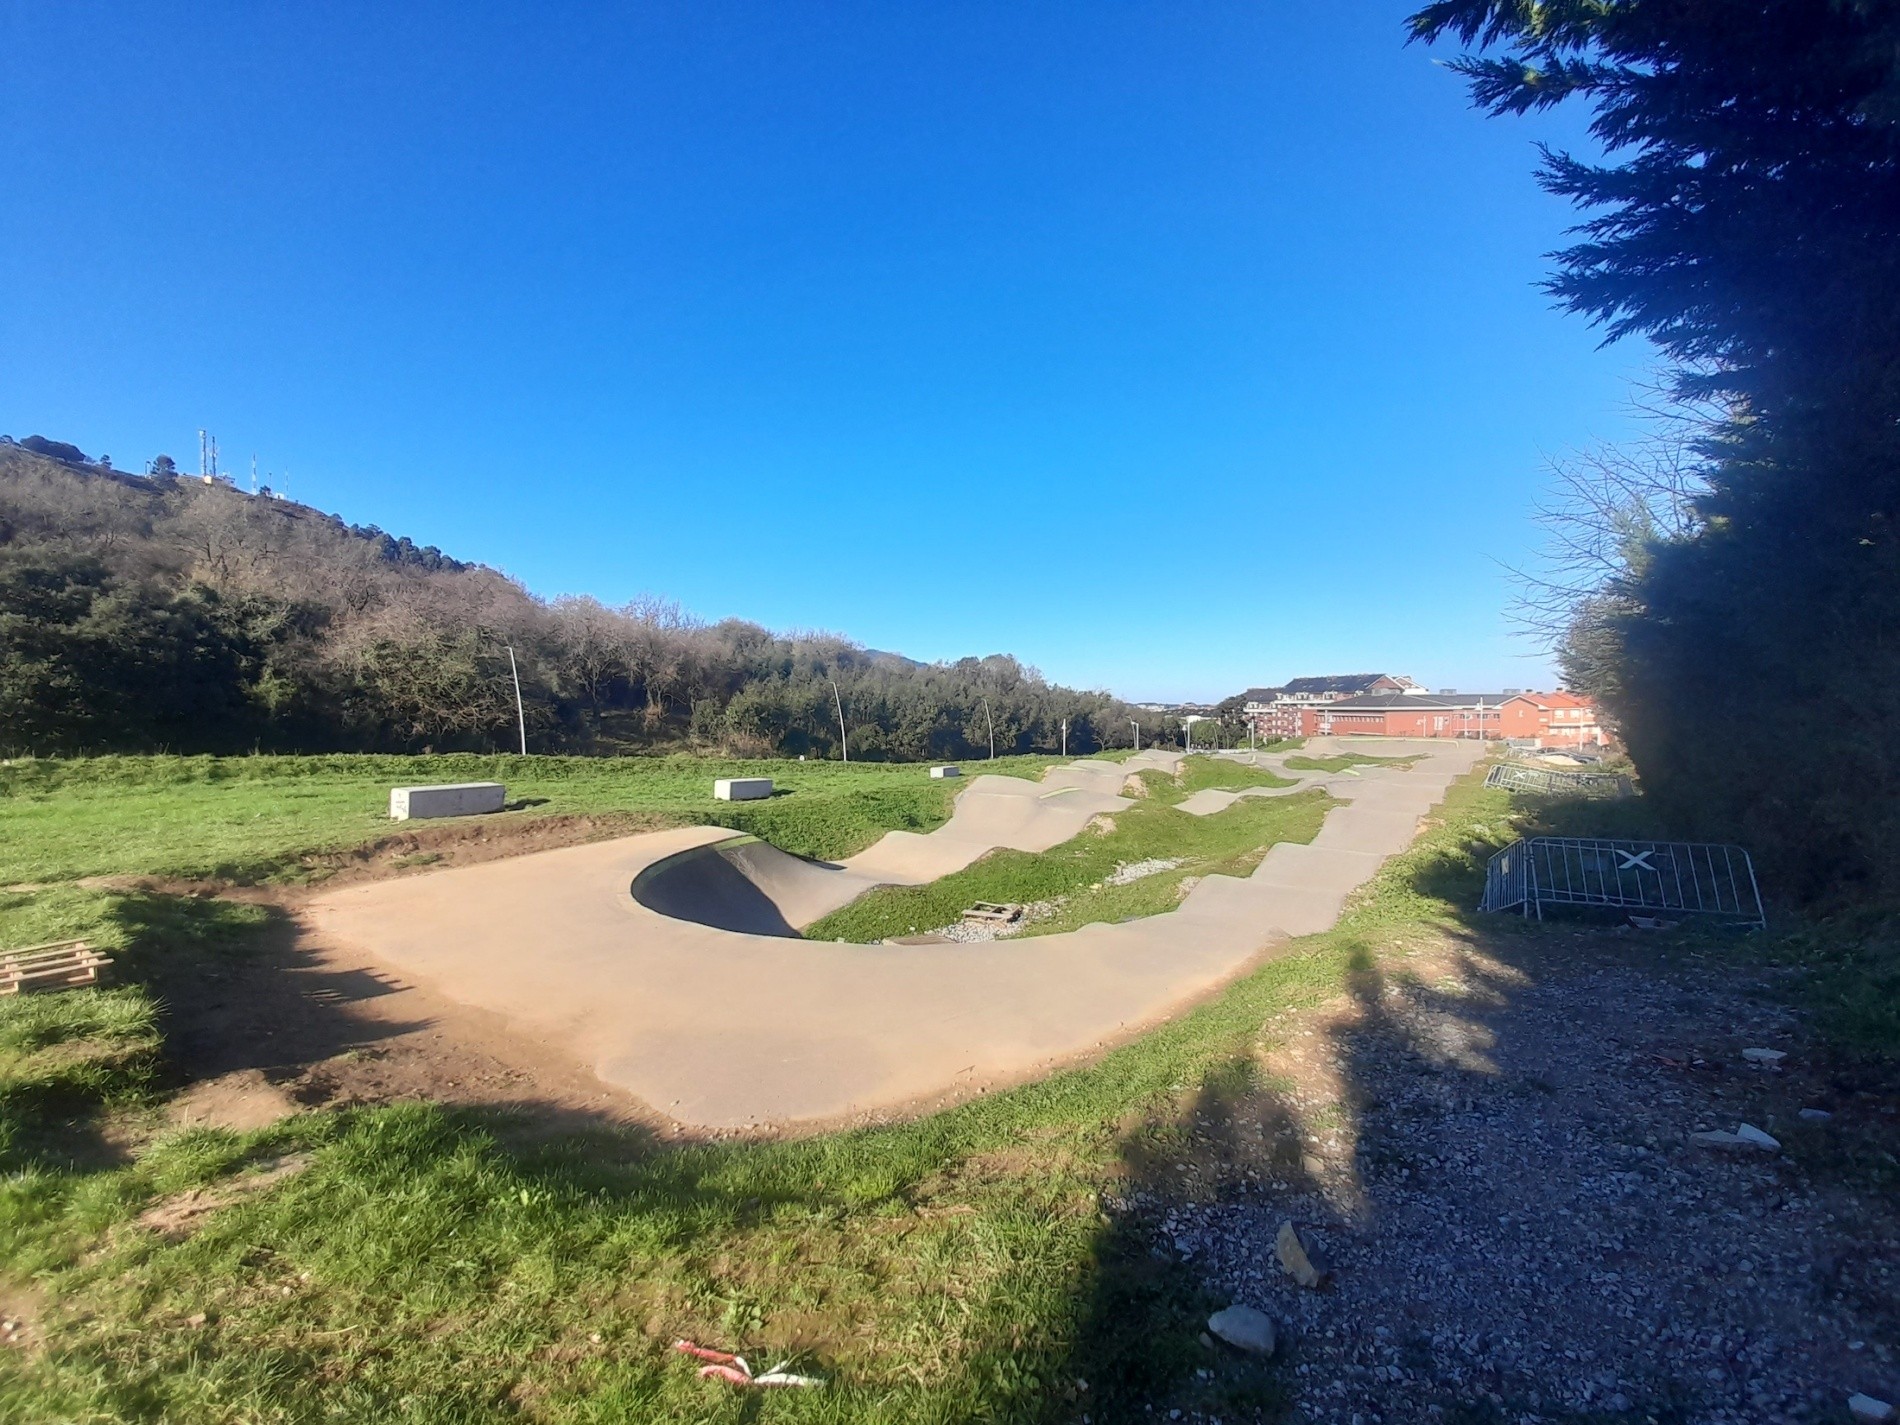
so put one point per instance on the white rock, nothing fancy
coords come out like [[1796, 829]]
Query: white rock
[[1246, 1328], [1865, 1407], [1746, 1135], [1815, 1115], [1764, 1056]]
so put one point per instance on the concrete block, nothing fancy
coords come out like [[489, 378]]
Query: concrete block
[[946, 771], [451, 799], [742, 789]]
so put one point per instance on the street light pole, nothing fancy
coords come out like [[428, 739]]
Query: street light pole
[[990, 722], [844, 745], [521, 718], [1065, 737], [1137, 726]]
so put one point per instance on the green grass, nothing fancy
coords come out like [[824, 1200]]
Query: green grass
[[1209, 773], [439, 1266], [252, 819], [1343, 761], [1229, 842]]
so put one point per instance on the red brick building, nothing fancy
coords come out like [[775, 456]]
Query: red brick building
[[1414, 714], [1554, 720], [1278, 712]]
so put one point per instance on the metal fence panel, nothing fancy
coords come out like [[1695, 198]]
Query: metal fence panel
[[1550, 781], [1669, 877]]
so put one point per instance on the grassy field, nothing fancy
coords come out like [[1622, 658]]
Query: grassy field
[[429, 1265], [1228, 843], [253, 819]]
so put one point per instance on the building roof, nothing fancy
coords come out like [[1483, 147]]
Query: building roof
[[1260, 695], [1560, 699], [1375, 702], [1347, 683]]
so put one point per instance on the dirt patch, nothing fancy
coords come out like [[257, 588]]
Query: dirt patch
[[21, 1311], [431, 846], [240, 1101], [293, 1022], [176, 1218], [468, 842], [296, 1022]]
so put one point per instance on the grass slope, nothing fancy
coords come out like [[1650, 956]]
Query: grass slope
[[446, 1267], [1343, 761], [1228, 843], [250, 819]]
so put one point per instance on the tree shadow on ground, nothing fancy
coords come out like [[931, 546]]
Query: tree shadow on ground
[[1263, 1143], [1437, 1017]]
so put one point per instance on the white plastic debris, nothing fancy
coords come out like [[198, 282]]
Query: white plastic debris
[[723, 1365], [1746, 1135]]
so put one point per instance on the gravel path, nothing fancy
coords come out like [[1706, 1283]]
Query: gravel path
[[1496, 1158]]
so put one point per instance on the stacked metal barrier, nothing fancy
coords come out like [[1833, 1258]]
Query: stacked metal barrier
[[1663, 878], [1549, 781]]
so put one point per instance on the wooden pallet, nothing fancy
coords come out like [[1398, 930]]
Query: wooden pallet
[[57, 966], [989, 912]]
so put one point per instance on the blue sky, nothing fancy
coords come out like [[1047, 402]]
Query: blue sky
[[1171, 348]]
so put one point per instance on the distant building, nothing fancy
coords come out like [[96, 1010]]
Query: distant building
[[1279, 712], [1413, 713], [1555, 720]]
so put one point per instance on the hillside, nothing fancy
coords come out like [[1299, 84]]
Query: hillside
[[161, 612]]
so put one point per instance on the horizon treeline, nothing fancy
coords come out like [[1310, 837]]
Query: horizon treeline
[[143, 613]]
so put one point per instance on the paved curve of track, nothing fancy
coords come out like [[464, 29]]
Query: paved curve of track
[[731, 1026]]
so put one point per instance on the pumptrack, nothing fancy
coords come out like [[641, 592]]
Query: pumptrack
[[665, 961]]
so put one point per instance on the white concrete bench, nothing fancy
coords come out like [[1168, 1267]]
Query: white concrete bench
[[450, 799], [741, 789], [946, 771]]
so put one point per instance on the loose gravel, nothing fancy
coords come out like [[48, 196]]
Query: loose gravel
[[1128, 872], [1496, 1158]]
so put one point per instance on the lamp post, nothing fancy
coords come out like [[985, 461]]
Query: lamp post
[[521, 718], [844, 746], [1137, 726], [990, 722]]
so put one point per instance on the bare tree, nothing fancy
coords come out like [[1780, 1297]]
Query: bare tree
[[1604, 512]]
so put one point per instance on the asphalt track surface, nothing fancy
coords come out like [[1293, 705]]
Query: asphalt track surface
[[697, 1002]]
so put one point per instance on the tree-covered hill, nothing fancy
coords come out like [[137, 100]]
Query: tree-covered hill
[[148, 612]]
